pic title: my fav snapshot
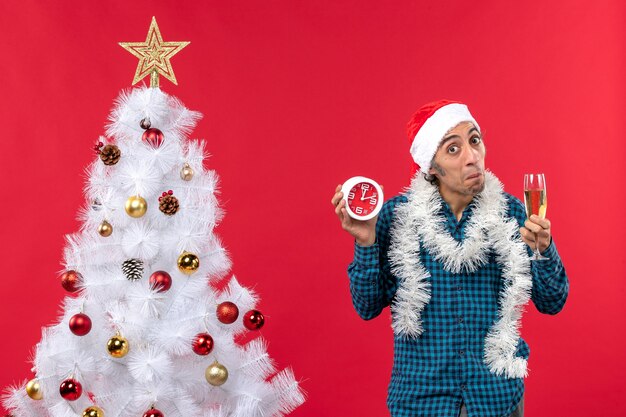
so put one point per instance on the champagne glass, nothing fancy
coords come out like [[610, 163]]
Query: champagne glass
[[536, 201]]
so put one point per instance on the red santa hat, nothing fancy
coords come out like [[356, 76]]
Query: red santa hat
[[428, 126]]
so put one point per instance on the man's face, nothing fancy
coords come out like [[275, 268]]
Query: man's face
[[459, 163]]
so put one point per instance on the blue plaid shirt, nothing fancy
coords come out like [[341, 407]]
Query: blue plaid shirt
[[433, 374]]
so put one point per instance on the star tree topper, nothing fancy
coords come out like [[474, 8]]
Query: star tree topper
[[154, 56]]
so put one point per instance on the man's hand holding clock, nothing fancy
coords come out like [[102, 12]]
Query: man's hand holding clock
[[357, 203]]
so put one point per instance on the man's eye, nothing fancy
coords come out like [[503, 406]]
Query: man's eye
[[475, 140], [453, 149]]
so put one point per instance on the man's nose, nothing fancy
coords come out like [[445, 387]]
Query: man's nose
[[471, 155]]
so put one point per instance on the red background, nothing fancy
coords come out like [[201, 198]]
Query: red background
[[297, 97]]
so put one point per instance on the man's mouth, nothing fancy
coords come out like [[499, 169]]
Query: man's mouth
[[475, 175]]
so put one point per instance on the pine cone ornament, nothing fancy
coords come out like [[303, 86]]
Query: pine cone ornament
[[168, 204], [133, 269], [110, 154]]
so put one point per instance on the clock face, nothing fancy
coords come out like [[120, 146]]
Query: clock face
[[363, 199]]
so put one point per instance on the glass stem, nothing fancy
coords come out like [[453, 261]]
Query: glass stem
[[537, 254]]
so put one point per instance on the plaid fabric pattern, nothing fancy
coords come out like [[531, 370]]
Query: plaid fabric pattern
[[433, 374]]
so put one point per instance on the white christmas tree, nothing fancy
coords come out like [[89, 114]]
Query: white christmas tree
[[144, 331]]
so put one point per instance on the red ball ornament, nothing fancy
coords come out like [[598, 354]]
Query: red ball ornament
[[160, 281], [71, 280], [227, 312], [153, 136], [253, 320], [70, 389], [80, 324], [153, 412], [202, 344]]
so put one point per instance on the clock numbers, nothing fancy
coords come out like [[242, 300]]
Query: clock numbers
[[363, 202]]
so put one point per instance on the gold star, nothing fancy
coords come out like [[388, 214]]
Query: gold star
[[154, 56]]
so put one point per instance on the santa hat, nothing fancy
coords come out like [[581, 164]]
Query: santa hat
[[428, 126]]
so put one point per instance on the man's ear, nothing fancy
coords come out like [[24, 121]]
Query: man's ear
[[432, 171]]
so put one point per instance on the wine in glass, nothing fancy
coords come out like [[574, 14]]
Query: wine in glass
[[536, 201]]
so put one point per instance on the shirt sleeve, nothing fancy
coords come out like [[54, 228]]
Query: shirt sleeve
[[372, 285], [550, 282]]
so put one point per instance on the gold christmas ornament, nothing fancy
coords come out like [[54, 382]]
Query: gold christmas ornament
[[187, 172], [216, 374], [93, 411], [154, 56], [136, 206], [105, 229], [118, 346], [188, 263], [33, 389]]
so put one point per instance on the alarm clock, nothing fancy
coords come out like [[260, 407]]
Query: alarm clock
[[364, 197]]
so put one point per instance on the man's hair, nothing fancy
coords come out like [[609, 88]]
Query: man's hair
[[433, 180]]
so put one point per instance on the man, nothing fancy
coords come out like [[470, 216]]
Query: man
[[451, 257]]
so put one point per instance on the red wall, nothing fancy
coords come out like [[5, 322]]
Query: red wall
[[298, 96]]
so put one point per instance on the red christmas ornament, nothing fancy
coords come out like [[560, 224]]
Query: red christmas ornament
[[97, 147], [153, 136], [71, 280], [202, 344], [153, 412], [160, 281], [80, 324], [227, 312], [253, 320], [165, 193], [70, 389]]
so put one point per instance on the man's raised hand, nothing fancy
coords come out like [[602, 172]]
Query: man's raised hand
[[364, 232]]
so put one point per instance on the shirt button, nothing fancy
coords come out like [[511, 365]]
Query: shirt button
[[463, 387], [460, 319], [459, 288], [461, 352]]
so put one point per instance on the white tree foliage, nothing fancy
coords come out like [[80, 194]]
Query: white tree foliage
[[161, 369]]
